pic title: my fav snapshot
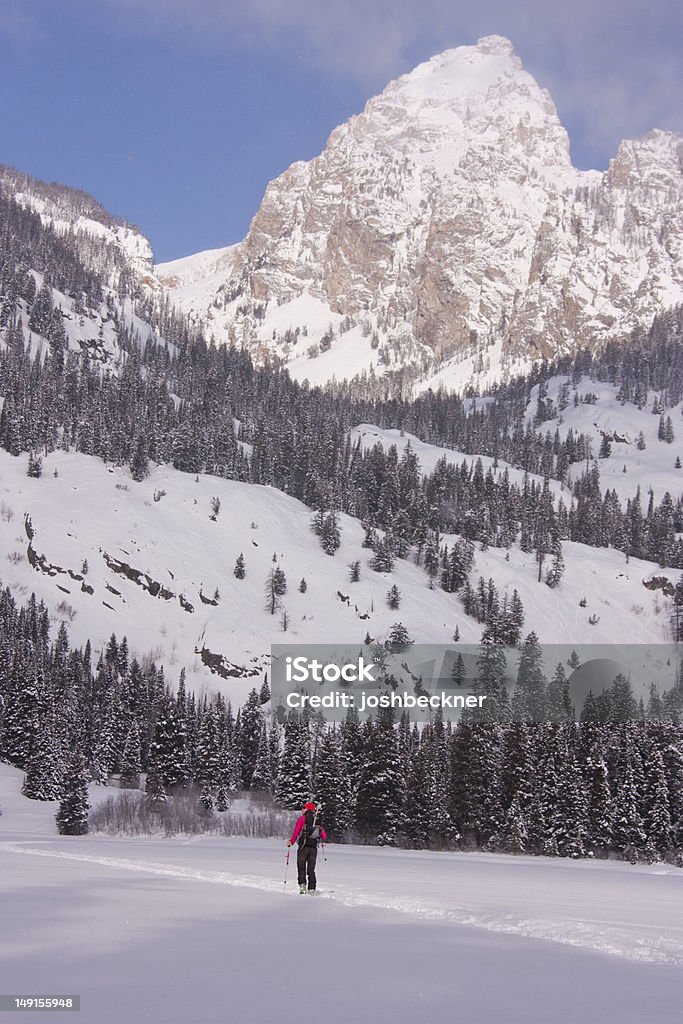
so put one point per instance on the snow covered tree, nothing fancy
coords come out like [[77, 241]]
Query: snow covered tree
[[293, 781], [131, 766], [379, 798], [168, 752], [418, 805], [35, 465], [529, 699], [206, 802], [382, 559], [513, 837], [657, 814], [72, 816], [332, 786], [600, 813], [262, 778], [399, 638], [139, 463], [43, 779], [276, 585], [559, 706], [252, 722], [155, 790], [554, 574], [628, 834], [330, 536], [318, 522], [394, 598], [431, 561], [605, 447]]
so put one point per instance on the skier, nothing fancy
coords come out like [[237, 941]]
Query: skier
[[308, 833]]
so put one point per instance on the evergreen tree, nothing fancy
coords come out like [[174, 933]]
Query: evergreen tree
[[168, 752], [131, 765], [332, 786], [239, 570], [43, 779], [529, 699], [206, 801], [600, 814], [514, 834], [330, 536], [35, 465], [379, 797], [72, 816], [554, 574], [139, 463], [399, 639], [419, 788], [382, 560], [251, 737], [293, 781], [262, 778], [154, 789], [559, 706], [657, 815]]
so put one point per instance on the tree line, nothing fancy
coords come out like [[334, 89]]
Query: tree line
[[521, 775]]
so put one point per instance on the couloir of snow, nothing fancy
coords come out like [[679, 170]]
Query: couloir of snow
[[204, 929]]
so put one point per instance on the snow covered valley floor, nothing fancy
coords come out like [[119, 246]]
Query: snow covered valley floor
[[205, 931]]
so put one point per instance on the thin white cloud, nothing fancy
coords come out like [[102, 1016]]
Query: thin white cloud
[[613, 67]]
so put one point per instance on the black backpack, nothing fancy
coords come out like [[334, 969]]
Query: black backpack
[[310, 834]]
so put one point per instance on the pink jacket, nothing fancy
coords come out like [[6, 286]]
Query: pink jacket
[[298, 827]]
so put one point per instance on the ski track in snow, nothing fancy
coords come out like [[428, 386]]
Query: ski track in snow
[[617, 942]]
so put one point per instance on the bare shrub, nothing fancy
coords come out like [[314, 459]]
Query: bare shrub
[[6, 513], [121, 487], [130, 812], [15, 557]]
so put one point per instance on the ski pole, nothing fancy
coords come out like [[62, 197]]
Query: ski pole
[[324, 850], [286, 866]]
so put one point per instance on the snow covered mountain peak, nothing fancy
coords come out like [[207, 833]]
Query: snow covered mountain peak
[[470, 100], [445, 229]]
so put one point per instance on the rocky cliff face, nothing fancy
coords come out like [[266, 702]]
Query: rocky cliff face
[[446, 222]]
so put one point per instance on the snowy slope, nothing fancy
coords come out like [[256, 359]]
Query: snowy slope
[[652, 468], [448, 221], [110, 248], [90, 512], [72, 212], [179, 930]]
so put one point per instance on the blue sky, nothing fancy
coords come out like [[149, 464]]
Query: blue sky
[[177, 114]]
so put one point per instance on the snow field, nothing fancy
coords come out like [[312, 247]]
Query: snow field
[[205, 930]]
